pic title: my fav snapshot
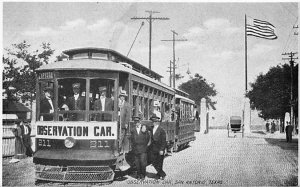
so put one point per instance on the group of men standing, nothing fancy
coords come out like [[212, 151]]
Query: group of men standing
[[23, 140], [148, 146]]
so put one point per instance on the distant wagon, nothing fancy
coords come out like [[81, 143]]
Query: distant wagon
[[235, 125]]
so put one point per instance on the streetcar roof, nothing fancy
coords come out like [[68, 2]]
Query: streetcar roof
[[96, 64], [181, 92], [184, 98], [120, 57]]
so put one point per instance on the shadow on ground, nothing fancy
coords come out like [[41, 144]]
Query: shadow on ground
[[283, 144], [258, 132]]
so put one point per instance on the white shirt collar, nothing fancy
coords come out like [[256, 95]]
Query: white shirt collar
[[102, 102], [50, 101], [155, 128], [76, 96], [138, 128]]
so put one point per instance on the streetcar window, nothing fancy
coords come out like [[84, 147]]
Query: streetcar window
[[71, 99], [100, 56], [146, 110], [81, 55], [47, 101], [101, 99], [141, 107], [134, 105]]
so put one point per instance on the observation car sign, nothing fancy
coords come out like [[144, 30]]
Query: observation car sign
[[77, 130]]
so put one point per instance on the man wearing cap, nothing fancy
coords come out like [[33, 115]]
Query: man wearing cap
[[158, 146], [124, 113], [76, 102], [46, 105], [140, 140]]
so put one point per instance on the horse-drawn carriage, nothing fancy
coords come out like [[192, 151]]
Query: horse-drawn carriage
[[235, 125]]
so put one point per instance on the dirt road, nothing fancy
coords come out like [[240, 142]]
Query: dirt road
[[258, 159]]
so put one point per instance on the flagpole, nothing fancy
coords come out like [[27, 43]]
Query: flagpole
[[245, 54], [247, 110]]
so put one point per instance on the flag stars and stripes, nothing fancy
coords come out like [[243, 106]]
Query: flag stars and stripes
[[261, 29]]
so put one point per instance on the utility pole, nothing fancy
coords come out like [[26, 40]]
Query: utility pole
[[170, 71], [295, 27], [291, 59], [173, 40], [150, 19]]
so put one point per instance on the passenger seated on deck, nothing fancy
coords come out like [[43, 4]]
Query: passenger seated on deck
[[46, 105], [103, 104], [75, 102], [167, 114]]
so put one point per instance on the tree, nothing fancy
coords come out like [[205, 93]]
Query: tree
[[198, 88], [270, 93], [19, 69]]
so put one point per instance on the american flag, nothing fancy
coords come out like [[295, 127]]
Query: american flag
[[261, 29]]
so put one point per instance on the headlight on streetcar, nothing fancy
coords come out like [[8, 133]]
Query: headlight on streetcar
[[70, 142]]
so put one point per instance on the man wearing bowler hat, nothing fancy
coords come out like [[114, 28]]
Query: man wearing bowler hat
[[46, 105], [140, 140], [103, 104], [76, 102], [158, 146]]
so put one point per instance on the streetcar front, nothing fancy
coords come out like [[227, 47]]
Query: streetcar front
[[76, 124]]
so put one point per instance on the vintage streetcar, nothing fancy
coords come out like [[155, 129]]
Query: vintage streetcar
[[76, 143]]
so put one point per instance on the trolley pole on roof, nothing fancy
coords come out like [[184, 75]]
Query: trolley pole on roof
[[173, 40], [135, 38], [150, 19]]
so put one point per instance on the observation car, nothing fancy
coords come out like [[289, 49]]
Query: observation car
[[81, 144]]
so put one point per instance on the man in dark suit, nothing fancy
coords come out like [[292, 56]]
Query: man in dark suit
[[124, 114], [46, 105], [140, 140], [158, 146], [103, 104], [76, 102], [26, 131]]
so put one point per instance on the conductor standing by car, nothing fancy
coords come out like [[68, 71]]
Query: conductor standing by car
[[140, 140], [158, 147]]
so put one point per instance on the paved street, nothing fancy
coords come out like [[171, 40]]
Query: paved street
[[258, 159]]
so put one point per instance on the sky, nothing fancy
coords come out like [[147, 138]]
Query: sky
[[215, 34]]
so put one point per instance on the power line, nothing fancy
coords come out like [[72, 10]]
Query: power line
[[150, 19], [286, 44], [281, 4]]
